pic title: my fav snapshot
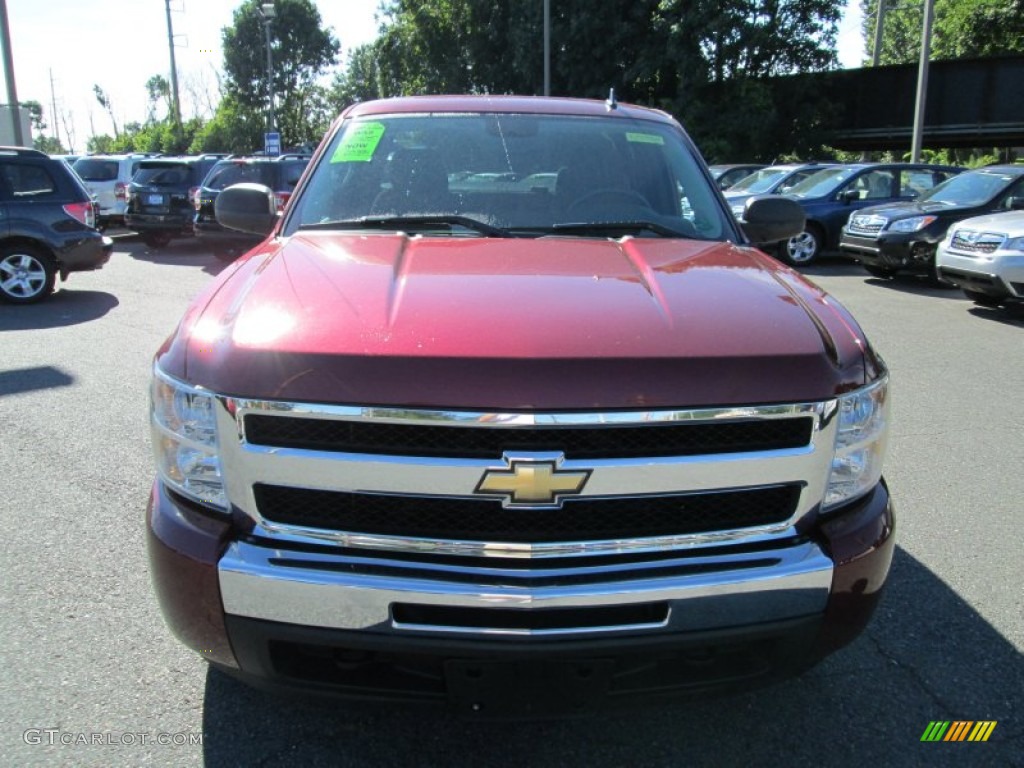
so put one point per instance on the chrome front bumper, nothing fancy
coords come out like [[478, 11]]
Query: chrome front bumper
[[331, 591]]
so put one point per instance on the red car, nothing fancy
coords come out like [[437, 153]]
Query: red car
[[507, 414]]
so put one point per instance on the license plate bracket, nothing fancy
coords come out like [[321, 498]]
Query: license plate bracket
[[526, 688], [155, 200]]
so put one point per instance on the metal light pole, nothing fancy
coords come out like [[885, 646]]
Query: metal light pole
[[876, 54], [547, 47], [176, 104], [12, 91], [922, 81], [268, 13]]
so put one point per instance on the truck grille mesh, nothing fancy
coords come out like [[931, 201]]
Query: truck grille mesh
[[586, 519], [481, 442]]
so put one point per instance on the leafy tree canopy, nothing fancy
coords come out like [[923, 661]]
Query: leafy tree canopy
[[960, 29], [301, 50], [696, 58]]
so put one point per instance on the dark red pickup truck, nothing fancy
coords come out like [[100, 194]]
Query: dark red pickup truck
[[506, 413]]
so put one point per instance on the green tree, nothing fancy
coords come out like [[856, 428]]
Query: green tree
[[104, 101], [100, 144], [960, 29], [233, 128], [702, 60], [302, 51], [158, 89], [359, 80], [49, 145]]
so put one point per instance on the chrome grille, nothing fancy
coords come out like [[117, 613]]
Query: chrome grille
[[974, 242], [405, 480], [866, 225]]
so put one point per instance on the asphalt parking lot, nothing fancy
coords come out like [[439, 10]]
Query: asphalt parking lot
[[85, 651]]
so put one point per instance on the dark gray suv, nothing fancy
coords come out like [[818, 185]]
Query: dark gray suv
[[49, 222]]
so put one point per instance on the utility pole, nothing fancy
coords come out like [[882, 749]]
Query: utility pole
[[12, 91], [175, 104], [268, 12], [547, 47], [53, 106], [876, 55], [922, 81]]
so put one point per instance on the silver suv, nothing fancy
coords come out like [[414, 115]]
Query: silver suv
[[984, 256], [106, 177]]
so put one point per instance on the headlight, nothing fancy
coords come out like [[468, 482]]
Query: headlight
[[184, 428], [913, 224], [1014, 244], [860, 443]]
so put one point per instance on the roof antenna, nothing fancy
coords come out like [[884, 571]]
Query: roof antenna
[[611, 102]]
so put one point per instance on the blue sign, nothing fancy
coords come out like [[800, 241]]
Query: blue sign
[[272, 144]]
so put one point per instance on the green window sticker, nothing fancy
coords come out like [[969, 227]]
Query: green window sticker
[[645, 138], [359, 143]]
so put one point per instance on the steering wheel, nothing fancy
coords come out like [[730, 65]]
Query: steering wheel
[[609, 200]]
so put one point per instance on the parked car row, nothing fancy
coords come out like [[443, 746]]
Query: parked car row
[[903, 217], [163, 198]]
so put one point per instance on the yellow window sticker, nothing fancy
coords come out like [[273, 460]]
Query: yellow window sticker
[[359, 143], [645, 138]]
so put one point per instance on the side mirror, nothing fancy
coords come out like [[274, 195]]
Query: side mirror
[[1015, 204], [848, 196], [770, 218], [247, 208]]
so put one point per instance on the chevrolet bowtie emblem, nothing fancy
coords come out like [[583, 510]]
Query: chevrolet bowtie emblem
[[531, 483]]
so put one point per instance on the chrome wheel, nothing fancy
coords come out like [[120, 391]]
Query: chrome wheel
[[802, 249], [25, 276]]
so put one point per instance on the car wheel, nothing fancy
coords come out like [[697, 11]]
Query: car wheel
[[156, 239], [982, 299], [26, 274], [802, 249], [884, 272]]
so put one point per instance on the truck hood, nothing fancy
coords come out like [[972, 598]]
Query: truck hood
[[486, 323]]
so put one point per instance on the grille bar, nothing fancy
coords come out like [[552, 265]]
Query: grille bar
[[586, 519], [482, 442]]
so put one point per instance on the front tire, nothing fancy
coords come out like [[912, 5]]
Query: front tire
[[803, 249], [27, 274]]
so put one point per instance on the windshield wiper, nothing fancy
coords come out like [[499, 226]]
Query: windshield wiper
[[619, 226], [400, 222]]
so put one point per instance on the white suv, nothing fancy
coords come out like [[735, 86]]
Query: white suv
[[984, 256], [106, 177]]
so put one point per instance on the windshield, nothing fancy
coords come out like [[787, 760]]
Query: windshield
[[969, 188], [822, 183], [520, 173], [759, 181]]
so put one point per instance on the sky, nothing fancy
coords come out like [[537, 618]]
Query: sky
[[120, 44]]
